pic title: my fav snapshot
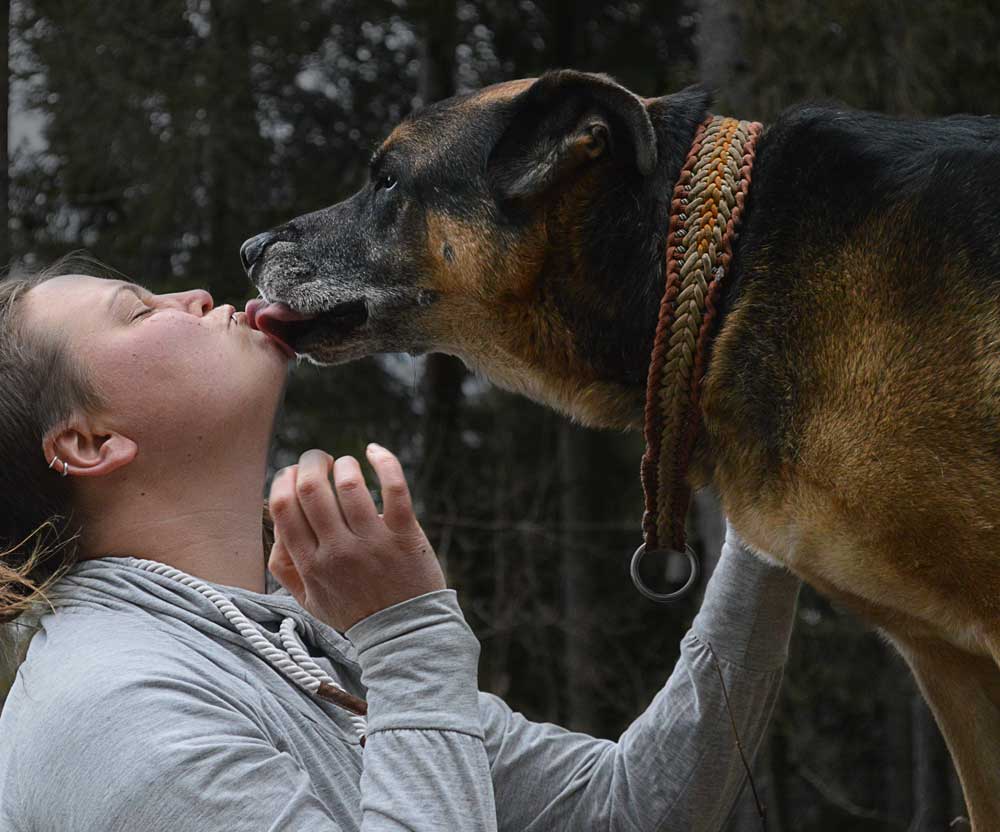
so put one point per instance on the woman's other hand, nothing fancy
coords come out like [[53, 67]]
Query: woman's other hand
[[340, 558]]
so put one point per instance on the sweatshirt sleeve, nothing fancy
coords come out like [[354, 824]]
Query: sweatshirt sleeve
[[676, 766], [425, 764]]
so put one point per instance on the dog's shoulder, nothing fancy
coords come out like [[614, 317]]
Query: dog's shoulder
[[872, 133], [857, 223], [837, 151], [826, 174]]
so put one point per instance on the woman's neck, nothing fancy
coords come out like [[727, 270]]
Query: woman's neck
[[205, 522]]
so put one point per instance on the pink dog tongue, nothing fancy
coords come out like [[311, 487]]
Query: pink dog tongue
[[270, 317], [263, 315]]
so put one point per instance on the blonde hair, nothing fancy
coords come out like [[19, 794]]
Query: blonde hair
[[41, 385]]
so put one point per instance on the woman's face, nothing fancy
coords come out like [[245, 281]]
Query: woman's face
[[177, 374]]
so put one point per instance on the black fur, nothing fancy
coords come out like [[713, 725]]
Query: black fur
[[824, 175]]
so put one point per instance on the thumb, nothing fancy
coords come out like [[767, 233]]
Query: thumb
[[283, 568]]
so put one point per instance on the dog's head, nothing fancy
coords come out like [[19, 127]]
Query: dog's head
[[487, 230]]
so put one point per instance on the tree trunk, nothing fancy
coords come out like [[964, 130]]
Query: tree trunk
[[231, 113], [710, 524], [441, 384], [439, 27], [5, 253], [717, 40], [583, 487], [931, 765], [898, 762], [720, 56], [581, 502]]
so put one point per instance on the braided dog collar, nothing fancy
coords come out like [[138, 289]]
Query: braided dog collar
[[704, 218]]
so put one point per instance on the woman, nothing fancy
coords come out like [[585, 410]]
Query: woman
[[168, 689]]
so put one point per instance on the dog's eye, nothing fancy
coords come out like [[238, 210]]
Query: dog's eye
[[386, 181]]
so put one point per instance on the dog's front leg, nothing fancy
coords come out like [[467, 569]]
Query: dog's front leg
[[963, 691]]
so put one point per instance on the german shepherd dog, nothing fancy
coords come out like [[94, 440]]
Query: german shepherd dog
[[851, 406]]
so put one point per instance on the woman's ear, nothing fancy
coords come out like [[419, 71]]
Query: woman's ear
[[89, 452]]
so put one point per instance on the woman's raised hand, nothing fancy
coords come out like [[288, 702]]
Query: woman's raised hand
[[340, 558]]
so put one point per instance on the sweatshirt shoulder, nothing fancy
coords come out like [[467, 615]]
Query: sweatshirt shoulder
[[94, 689], [85, 669], [111, 715], [90, 650]]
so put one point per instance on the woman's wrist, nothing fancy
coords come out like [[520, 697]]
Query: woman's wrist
[[749, 608], [419, 661]]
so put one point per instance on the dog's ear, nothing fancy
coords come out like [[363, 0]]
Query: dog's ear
[[562, 122]]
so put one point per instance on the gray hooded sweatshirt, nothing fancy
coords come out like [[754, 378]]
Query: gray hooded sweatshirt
[[141, 708]]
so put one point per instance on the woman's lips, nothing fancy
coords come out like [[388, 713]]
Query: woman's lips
[[268, 318]]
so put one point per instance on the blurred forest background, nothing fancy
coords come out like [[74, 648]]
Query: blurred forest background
[[159, 134]]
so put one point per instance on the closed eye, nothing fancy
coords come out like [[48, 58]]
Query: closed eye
[[145, 311]]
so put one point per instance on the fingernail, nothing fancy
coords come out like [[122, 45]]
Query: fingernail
[[374, 447]]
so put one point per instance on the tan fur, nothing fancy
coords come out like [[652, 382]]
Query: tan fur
[[432, 148], [928, 530], [494, 288], [893, 501], [498, 93], [407, 133]]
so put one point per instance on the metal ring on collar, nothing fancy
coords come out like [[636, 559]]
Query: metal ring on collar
[[664, 597]]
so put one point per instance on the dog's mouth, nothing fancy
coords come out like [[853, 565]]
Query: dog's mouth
[[299, 331]]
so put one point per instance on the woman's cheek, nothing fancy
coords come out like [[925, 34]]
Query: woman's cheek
[[150, 367]]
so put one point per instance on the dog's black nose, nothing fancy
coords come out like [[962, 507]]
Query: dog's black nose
[[251, 250]]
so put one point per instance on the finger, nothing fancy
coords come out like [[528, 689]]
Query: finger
[[289, 521], [355, 501], [316, 497], [280, 565], [397, 506]]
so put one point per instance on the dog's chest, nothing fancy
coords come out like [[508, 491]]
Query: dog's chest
[[854, 565]]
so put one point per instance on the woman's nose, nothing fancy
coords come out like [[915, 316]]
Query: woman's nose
[[195, 301]]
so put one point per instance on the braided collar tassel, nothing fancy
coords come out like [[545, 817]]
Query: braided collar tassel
[[705, 212]]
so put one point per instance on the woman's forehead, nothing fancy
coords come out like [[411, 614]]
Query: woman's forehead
[[75, 283], [54, 299]]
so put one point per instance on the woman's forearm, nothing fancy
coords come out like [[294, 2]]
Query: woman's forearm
[[677, 766], [682, 750]]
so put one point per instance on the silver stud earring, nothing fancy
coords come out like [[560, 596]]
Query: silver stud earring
[[65, 468]]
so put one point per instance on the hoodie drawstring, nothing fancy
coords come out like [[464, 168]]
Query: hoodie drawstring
[[293, 660]]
